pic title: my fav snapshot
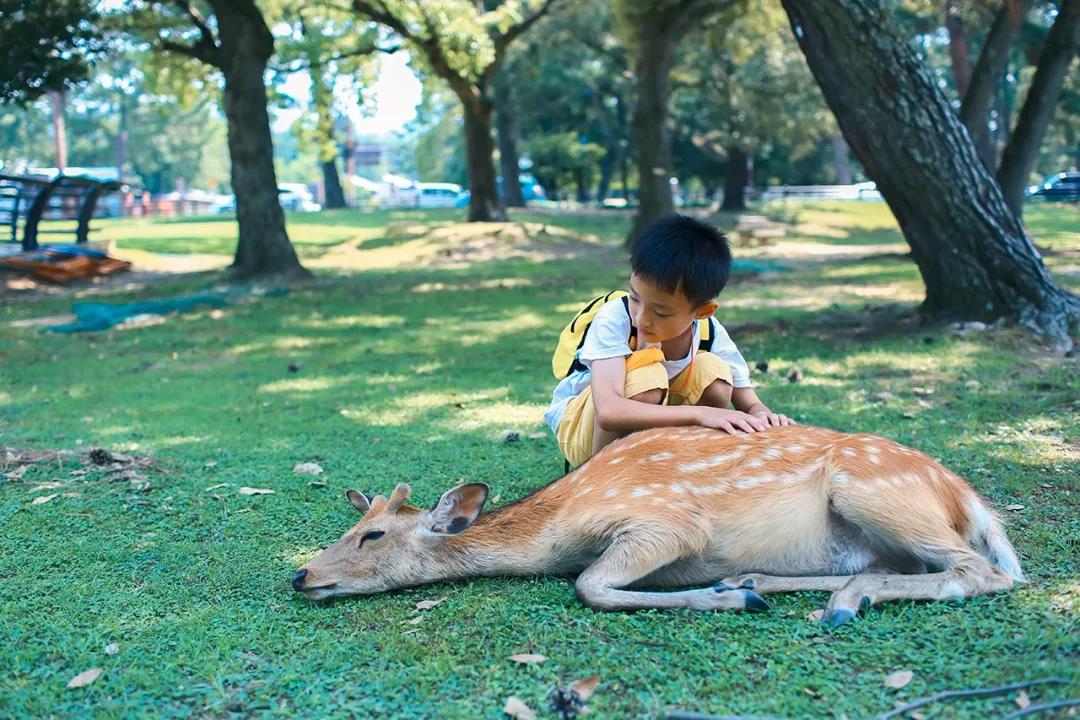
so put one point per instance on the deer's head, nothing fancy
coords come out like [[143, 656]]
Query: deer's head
[[393, 546]]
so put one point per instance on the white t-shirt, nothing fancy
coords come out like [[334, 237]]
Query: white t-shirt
[[609, 337]]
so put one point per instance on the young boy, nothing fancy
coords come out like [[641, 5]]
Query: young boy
[[679, 266]]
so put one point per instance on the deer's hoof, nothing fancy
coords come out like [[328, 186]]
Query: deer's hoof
[[838, 617], [754, 602]]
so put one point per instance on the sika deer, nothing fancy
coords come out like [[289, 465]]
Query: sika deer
[[786, 509]]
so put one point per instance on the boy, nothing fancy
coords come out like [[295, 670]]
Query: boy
[[678, 267]]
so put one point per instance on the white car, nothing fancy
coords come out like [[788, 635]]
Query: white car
[[297, 197], [437, 195]]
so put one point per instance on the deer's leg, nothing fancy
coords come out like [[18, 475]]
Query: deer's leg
[[970, 575], [631, 558], [765, 584]]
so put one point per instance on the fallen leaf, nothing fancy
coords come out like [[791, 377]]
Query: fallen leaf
[[84, 678], [43, 499], [517, 709], [428, 604], [308, 468], [255, 491], [316, 483], [215, 487], [1014, 507], [537, 435], [1022, 700], [212, 463], [812, 693], [416, 620], [815, 615], [585, 688], [111, 649], [899, 679], [528, 658], [46, 485], [17, 473]]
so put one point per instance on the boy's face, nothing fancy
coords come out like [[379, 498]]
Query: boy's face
[[659, 315]]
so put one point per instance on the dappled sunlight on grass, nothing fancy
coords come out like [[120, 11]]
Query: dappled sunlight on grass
[[307, 384]]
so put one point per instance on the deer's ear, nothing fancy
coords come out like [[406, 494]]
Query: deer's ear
[[358, 500], [457, 509]]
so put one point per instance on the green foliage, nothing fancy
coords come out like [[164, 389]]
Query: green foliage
[[417, 374], [562, 159], [46, 46]]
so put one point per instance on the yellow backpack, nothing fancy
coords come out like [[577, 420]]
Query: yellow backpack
[[564, 361]]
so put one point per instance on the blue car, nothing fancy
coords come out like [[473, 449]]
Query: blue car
[[530, 190], [1063, 186]]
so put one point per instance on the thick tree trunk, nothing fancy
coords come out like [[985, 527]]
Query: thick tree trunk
[[1023, 148], [484, 205], [736, 179], [979, 98], [652, 67], [506, 127], [263, 248], [972, 252], [959, 50], [335, 196]]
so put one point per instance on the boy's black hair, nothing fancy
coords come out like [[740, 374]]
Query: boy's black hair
[[680, 254]]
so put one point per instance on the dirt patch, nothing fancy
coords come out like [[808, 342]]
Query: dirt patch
[[68, 468]]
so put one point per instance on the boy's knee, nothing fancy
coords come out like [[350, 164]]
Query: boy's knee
[[651, 397], [717, 394]]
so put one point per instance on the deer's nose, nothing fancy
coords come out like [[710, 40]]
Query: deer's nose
[[298, 579]]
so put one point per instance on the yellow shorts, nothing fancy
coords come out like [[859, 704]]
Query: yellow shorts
[[643, 373]]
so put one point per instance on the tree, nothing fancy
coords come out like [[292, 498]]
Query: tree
[[464, 44], [234, 39], [1038, 111], [740, 83], [971, 249], [337, 53], [653, 29]]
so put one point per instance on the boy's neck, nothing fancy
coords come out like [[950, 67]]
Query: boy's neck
[[678, 347]]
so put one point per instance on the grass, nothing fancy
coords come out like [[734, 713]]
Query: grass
[[421, 348]]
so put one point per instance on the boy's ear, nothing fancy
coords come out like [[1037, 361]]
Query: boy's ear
[[457, 509], [706, 310]]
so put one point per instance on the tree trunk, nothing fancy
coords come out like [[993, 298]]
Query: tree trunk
[[624, 160], [335, 196], [841, 161], [971, 250], [484, 205], [263, 248], [506, 127], [959, 50], [736, 179], [1023, 148], [652, 67], [979, 98], [58, 99]]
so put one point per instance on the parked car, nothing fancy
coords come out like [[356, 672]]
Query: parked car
[[530, 190], [297, 197], [1063, 186], [437, 195]]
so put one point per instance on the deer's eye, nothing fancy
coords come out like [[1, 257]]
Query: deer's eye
[[373, 535]]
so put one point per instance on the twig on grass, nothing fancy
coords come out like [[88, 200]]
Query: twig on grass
[[1043, 707], [976, 692]]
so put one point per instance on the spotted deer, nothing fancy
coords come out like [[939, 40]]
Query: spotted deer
[[786, 509]]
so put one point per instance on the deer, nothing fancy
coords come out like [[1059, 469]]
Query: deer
[[786, 509]]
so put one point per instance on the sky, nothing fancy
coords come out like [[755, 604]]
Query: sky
[[396, 91]]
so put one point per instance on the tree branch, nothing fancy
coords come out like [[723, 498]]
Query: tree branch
[[977, 692], [322, 62], [206, 48]]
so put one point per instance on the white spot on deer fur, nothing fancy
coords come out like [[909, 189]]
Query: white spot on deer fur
[[611, 493], [654, 486], [772, 453], [849, 452], [711, 462], [873, 449], [640, 492], [677, 488], [875, 459], [840, 478], [754, 464], [795, 448], [582, 491], [615, 460], [754, 481], [658, 457], [620, 506]]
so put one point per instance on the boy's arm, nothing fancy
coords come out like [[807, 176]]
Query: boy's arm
[[746, 399], [617, 413]]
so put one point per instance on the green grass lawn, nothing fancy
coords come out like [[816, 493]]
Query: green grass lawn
[[421, 346]]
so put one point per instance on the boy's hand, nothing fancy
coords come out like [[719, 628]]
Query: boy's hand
[[730, 421], [774, 419]]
